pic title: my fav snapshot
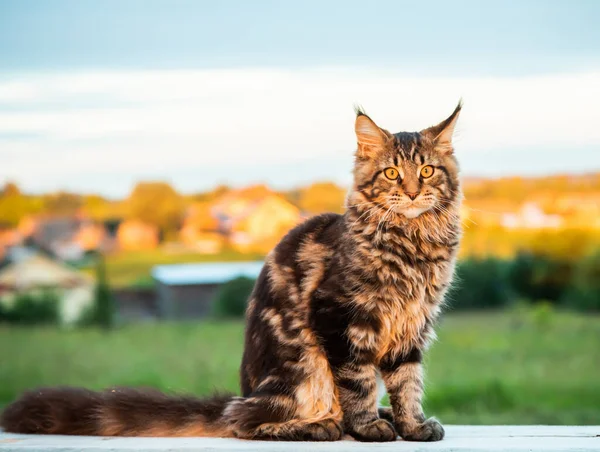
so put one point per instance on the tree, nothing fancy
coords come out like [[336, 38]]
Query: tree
[[104, 305], [156, 203], [537, 277], [62, 203], [11, 189], [480, 284], [322, 197], [14, 205], [232, 297], [584, 292]]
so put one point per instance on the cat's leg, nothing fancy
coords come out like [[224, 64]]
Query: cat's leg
[[403, 376], [298, 430], [357, 388], [385, 412], [275, 417], [290, 405]]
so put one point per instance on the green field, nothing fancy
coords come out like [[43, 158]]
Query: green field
[[521, 366]]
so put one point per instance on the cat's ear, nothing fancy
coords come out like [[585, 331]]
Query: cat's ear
[[369, 136], [442, 133]]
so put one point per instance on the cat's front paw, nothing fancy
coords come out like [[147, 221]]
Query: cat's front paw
[[430, 430], [378, 430]]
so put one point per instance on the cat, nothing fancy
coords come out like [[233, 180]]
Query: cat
[[342, 304]]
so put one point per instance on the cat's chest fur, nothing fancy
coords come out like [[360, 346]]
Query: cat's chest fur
[[412, 279]]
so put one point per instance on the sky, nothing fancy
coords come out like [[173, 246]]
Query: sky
[[95, 96]]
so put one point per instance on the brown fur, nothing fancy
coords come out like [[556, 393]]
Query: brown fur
[[341, 301]]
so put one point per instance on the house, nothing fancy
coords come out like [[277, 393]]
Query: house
[[186, 291], [531, 216], [263, 226], [34, 274], [91, 236], [9, 237], [136, 235], [66, 237], [255, 218], [201, 230], [237, 203]]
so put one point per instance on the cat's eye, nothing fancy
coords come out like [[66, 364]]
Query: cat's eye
[[391, 173], [427, 171]]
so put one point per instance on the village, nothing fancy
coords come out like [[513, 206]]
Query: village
[[50, 250]]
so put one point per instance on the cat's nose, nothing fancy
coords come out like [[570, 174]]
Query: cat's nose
[[411, 195]]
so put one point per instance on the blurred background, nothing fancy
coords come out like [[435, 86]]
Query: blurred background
[[152, 153]]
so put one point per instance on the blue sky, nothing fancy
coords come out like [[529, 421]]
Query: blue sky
[[242, 92]]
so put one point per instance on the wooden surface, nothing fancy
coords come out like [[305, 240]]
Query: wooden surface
[[458, 438]]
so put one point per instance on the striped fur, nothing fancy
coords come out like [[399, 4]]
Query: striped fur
[[342, 302]]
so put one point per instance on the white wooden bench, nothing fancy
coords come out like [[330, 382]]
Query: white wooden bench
[[458, 438]]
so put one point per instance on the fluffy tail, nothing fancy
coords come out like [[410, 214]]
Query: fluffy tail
[[115, 412]]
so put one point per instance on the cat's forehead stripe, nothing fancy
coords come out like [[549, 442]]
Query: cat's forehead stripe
[[408, 144]]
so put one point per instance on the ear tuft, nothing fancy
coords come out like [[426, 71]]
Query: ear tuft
[[443, 132], [369, 136]]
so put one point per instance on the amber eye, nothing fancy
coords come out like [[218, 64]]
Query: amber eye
[[391, 173], [427, 171]]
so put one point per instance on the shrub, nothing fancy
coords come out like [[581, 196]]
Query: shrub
[[232, 297], [33, 309], [479, 284], [537, 277], [584, 291]]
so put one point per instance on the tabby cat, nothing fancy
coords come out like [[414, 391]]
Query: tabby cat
[[344, 305]]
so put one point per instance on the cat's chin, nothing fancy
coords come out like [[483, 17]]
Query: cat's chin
[[413, 212]]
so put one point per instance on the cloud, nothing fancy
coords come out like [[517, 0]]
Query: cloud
[[56, 128]]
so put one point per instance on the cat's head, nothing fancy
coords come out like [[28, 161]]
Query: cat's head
[[406, 175]]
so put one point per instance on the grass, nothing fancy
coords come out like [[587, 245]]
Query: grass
[[518, 367]]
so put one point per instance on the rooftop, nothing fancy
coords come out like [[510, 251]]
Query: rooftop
[[205, 273]]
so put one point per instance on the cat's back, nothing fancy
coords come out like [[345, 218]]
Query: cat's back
[[277, 327], [324, 229]]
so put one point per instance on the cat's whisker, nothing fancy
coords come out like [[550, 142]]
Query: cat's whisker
[[372, 211]]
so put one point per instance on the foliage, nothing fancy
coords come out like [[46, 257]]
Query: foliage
[[102, 210], [14, 206], [534, 279], [104, 312], [538, 277], [480, 283], [10, 189], [31, 309], [211, 195], [156, 203], [62, 203], [322, 197], [483, 369], [232, 297], [519, 189], [584, 291]]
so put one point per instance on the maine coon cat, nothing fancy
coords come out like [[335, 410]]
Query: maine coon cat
[[343, 301]]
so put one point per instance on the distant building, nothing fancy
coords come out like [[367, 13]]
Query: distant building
[[66, 237], [186, 291], [135, 235], [531, 216], [35, 274], [9, 237], [264, 225], [201, 230], [202, 242], [255, 218]]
